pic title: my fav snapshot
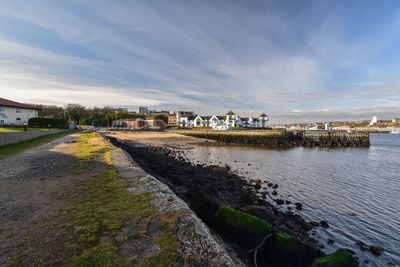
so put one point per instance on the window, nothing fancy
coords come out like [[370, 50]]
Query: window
[[2, 109], [18, 110], [1, 122], [18, 119]]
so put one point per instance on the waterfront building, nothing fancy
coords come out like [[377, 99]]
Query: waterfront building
[[14, 113]]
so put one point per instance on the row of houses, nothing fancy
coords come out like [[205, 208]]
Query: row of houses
[[230, 120]]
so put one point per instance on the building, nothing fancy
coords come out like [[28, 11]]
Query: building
[[143, 110], [172, 120], [374, 120], [185, 118], [140, 124], [14, 113], [230, 120]]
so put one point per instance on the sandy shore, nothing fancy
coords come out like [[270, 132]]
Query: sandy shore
[[159, 138]]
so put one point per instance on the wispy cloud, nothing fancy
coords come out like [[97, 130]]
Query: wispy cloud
[[209, 56]]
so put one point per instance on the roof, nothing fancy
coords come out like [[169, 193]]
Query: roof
[[230, 113], [221, 117], [192, 117], [263, 115], [9, 103]]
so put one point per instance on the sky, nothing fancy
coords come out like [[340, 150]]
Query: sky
[[294, 60]]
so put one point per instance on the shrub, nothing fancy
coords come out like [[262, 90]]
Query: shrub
[[45, 122]]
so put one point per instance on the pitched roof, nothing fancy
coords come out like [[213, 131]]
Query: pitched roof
[[263, 115], [230, 113], [10, 103]]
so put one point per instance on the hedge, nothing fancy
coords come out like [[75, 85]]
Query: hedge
[[45, 122]]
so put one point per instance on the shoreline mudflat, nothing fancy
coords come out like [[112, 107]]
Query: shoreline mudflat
[[208, 189]]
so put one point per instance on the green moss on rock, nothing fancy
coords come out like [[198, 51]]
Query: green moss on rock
[[285, 242], [341, 258], [243, 222]]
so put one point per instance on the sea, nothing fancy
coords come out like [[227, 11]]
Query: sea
[[357, 190]]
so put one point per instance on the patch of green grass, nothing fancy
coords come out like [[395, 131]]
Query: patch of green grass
[[104, 255], [88, 146], [20, 129], [341, 258], [103, 206], [7, 150], [242, 221]]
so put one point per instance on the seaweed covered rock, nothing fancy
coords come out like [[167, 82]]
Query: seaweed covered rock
[[284, 250], [341, 258], [242, 225]]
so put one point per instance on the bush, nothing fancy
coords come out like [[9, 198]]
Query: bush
[[45, 122]]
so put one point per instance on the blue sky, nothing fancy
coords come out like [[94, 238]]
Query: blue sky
[[295, 60]]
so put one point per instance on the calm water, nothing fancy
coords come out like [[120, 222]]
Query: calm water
[[357, 190]]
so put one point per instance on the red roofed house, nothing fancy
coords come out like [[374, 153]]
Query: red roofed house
[[14, 113]]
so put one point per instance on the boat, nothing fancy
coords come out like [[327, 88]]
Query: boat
[[395, 131]]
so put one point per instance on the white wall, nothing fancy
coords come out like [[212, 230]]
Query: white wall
[[12, 116]]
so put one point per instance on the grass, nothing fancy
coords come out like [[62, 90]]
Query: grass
[[20, 129], [101, 206], [11, 149], [243, 222]]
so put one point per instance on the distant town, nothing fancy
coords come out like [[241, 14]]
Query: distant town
[[18, 114]]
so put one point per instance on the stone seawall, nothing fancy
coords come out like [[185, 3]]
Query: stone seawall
[[285, 139], [16, 137]]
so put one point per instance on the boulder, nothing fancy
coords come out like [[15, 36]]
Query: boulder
[[341, 258], [376, 250], [242, 225]]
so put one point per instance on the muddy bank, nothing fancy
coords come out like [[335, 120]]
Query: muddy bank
[[220, 197]]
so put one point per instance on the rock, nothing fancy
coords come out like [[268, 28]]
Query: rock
[[263, 212], [324, 224], [376, 250], [362, 245], [331, 241], [288, 202], [243, 225], [275, 186], [299, 206], [341, 258], [257, 186], [314, 224], [274, 193], [279, 201], [270, 184]]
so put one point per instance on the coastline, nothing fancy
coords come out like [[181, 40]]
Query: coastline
[[210, 187]]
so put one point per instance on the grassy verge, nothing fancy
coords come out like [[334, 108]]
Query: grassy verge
[[19, 129], [7, 150], [101, 206]]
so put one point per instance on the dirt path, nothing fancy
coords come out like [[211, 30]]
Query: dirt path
[[80, 201], [31, 186]]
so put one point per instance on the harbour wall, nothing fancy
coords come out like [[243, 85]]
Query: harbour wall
[[285, 138]]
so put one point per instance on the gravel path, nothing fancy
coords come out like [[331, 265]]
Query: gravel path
[[31, 192]]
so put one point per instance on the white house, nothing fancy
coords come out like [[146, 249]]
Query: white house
[[185, 118], [14, 113]]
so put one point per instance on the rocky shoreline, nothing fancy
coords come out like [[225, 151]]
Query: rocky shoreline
[[226, 202]]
